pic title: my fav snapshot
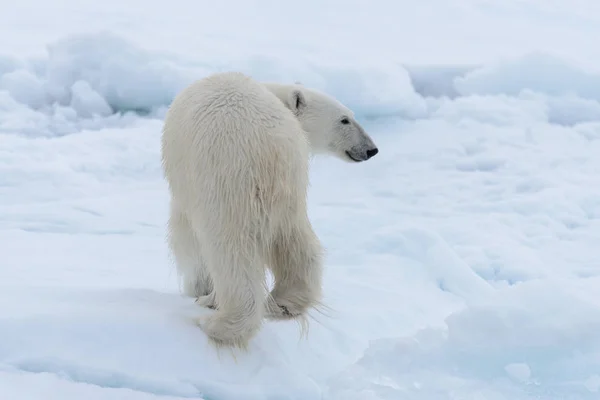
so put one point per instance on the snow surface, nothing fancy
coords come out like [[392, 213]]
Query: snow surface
[[462, 261]]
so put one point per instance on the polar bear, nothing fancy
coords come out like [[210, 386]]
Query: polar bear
[[235, 154]]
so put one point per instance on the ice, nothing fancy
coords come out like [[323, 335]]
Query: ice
[[567, 93], [437, 81], [24, 87], [537, 72], [90, 80], [518, 371], [86, 102], [461, 261], [533, 340]]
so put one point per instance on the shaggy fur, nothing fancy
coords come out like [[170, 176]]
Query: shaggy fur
[[235, 155]]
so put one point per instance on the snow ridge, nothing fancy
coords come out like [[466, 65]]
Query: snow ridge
[[90, 81]]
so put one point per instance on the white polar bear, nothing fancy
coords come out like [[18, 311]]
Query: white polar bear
[[235, 155]]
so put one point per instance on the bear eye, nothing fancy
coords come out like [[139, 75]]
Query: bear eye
[[345, 121]]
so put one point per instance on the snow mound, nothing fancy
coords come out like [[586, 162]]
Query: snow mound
[[497, 110], [91, 81], [537, 72], [86, 82], [533, 88], [527, 108], [530, 341], [125, 324], [437, 81]]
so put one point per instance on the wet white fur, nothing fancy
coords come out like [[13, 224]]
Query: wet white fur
[[235, 155]]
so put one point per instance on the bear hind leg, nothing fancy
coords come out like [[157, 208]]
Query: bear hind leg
[[296, 263], [186, 250], [239, 284]]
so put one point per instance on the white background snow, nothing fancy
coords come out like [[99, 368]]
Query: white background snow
[[463, 261]]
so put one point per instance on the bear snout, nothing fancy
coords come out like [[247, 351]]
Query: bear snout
[[358, 155]]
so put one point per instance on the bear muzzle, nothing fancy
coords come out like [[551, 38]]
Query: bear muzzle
[[362, 155]]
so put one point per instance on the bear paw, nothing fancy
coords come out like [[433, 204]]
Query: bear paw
[[227, 331], [282, 309], [208, 301]]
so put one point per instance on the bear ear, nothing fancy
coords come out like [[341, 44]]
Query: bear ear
[[297, 101]]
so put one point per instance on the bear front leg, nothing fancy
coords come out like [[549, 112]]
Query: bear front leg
[[296, 264]]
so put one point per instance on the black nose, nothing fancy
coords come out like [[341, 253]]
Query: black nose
[[372, 152]]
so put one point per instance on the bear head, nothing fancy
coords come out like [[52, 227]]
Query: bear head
[[330, 126]]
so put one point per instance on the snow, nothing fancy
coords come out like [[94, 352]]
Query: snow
[[462, 260]]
